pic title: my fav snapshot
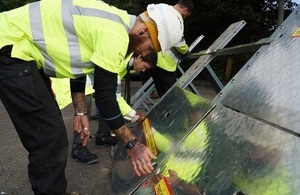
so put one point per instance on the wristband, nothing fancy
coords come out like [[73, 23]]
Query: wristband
[[131, 144], [80, 114]]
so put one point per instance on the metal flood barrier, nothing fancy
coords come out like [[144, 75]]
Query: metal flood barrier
[[142, 96], [245, 141], [164, 128], [229, 153]]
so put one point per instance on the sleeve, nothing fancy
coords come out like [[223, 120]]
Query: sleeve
[[105, 85], [182, 47], [110, 50], [78, 85], [124, 107]]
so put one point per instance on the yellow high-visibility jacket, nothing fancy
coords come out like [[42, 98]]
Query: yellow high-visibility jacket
[[61, 87], [169, 61], [65, 37]]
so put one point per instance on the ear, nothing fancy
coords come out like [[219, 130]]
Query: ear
[[143, 32], [139, 57]]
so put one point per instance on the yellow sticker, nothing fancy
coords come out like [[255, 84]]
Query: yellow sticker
[[162, 188], [150, 141], [296, 33]]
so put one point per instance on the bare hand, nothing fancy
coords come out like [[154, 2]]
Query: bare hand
[[157, 178], [173, 179], [140, 157], [81, 125], [141, 117]]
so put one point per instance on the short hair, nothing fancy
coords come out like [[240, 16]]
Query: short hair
[[150, 58], [187, 4]]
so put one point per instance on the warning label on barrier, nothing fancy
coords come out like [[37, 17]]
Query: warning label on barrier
[[296, 33], [162, 188], [149, 138]]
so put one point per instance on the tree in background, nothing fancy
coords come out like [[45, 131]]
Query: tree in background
[[11, 4], [212, 17]]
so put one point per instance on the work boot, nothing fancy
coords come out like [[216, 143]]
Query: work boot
[[105, 139], [82, 154]]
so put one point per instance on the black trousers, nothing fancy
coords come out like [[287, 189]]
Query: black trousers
[[38, 122], [163, 80]]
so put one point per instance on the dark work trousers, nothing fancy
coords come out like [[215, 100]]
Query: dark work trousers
[[38, 122], [145, 76], [163, 80]]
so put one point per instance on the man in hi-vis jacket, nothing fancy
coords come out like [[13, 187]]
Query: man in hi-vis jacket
[[69, 39]]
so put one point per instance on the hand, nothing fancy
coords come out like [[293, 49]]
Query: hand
[[81, 125], [140, 157], [157, 178], [138, 118], [173, 179]]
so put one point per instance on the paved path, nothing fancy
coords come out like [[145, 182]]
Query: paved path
[[86, 179]]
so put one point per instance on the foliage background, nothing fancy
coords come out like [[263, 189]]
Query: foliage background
[[211, 18]]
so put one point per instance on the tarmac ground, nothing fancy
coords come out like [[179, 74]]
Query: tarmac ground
[[86, 179]]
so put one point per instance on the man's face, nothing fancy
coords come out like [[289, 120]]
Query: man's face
[[185, 14], [140, 45]]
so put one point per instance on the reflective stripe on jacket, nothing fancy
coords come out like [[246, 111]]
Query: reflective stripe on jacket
[[65, 37]]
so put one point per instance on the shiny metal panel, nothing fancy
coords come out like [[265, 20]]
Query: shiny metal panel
[[241, 146], [171, 121], [229, 153], [178, 113], [269, 88]]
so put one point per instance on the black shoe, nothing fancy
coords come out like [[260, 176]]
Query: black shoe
[[81, 154], [105, 140]]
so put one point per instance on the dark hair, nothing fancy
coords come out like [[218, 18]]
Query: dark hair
[[187, 4], [150, 58]]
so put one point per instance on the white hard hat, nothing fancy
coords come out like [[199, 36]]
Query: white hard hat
[[169, 24]]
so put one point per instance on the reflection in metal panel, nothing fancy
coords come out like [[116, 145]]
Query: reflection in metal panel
[[270, 88], [229, 153], [215, 150], [165, 127]]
